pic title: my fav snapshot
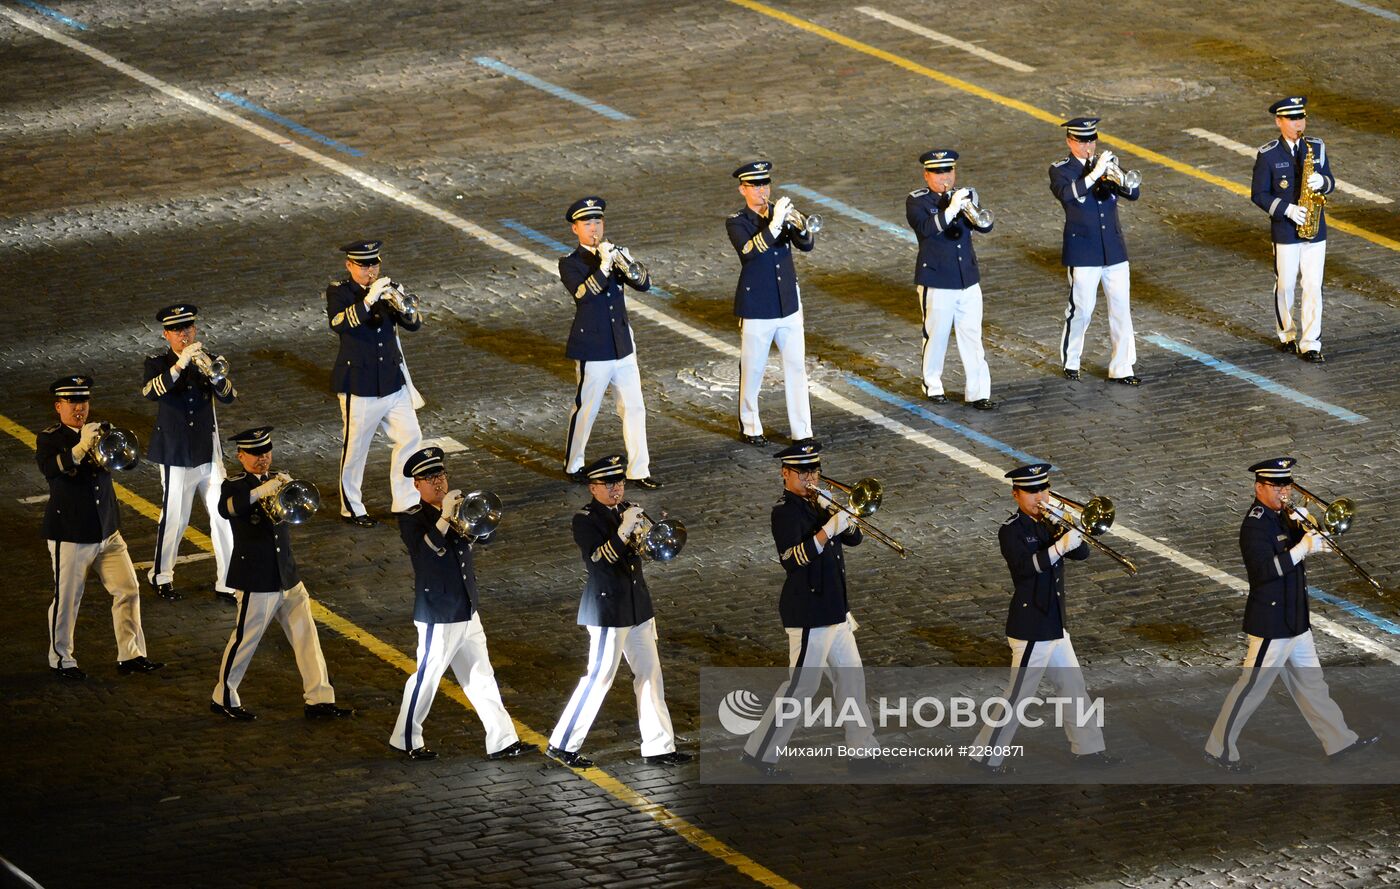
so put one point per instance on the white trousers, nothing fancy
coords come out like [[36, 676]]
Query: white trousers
[[594, 377], [1296, 659], [1029, 664], [461, 646], [756, 337], [1290, 260], [813, 651], [181, 484], [71, 562], [606, 647], [959, 311], [360, 416], [1083, 291], [256, 611]]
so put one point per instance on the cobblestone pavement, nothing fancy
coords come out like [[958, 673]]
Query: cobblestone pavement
[[116, 199]]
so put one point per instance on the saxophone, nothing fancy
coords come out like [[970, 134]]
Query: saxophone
[[1310, 200]]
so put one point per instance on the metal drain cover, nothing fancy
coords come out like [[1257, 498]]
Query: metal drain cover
[[1144, 90]]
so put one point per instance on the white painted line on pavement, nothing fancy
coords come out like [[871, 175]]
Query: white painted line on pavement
[[931, 34], [1251, 151]]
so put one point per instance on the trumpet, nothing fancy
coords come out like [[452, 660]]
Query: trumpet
[[478, 517], [659, 541], [114, 450], [216, 368], [1089, 519], [974, 211], [806, 224], [294, 503], [1336, 520], [1115, 174], [632, 268], [401, 301], [863, 499]]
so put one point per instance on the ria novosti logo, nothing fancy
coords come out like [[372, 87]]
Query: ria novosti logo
[[740, 712]]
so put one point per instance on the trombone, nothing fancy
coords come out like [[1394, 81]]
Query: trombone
[[659, 541], [807, 224], [862, 499], [1336, 520], [1089, 519]]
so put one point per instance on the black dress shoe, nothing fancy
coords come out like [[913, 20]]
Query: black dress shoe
[[983, 404], [1235, 767], [1005, 768], [138, 665], [421, 754], [571, 758], [1071, 374], [1358, 744], [225, 596], [873, 765], [167, 591], [1290, 347], [578, 477], [649, 483], [363, 521], [519, 748], [940, 398], [759, 439], [327, 710], [1126, 381], [674, 758], [1313, 355], [70, 673], [766, 769], [1100, 760], [237, 713]]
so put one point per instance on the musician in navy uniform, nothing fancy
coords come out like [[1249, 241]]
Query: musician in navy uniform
[[816, 614], [947, 278], [269, 587], [1093, 250], [768, 301], [1275, 543], [616, 610], [185, 445], [447, 617], [1277, 181], [371, 379], [601, 343], [82, 529], [1035, 554]]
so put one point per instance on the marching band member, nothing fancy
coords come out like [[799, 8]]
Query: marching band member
[[1277, 181], [1093, 250], [371, 378], [768, 301], [616, 609], [1274, 544], [185, 445], [947, 278], [264, 572], [600, 341], [82, 528], [447, 617], [1035, 622]]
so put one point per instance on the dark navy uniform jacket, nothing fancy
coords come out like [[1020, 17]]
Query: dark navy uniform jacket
[[1092, 235], [1278, 178], [1277, 607], [184, 431], [1037, 610], [369, 360], [767, 280], [814, 594], [262, 559], [616, 593], [601, 331], [946, 259], [444, 578], [82, 505]]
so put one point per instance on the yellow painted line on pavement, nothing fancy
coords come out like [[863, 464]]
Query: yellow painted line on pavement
[[696, 836], [1038, 113]]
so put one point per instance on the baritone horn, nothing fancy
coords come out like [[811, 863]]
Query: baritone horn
[[659, 541], [975, 212], [115, 450], [1336, 520], [863, 499], [807, 224], [294, 503], [1089, 519], [479, 515]]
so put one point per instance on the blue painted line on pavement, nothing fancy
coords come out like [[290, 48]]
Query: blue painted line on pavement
[[847, 210], [290, 124], [560, 247], [1373, 10], [553, 89], [1371, 617], [1255, 379], [54, 14], [919, 410]]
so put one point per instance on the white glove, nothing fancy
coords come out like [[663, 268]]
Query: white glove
[[631, 517], [1100, 165], [377, 289], [269, 487], [837, 525], [87, 436], [1301, 515], [1311, 544], [1298, 214], [607, 254], [780, 210], [1315, 181], [1069, 542], [956, 202], [186, 356], [451, 502]]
